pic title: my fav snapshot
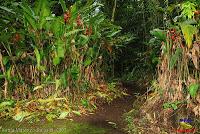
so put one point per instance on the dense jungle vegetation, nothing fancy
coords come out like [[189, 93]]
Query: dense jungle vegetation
[[60, 59]]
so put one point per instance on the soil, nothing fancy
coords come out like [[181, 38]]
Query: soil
[[110, 116]]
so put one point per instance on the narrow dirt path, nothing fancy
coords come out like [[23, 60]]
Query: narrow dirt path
[[110, 116]]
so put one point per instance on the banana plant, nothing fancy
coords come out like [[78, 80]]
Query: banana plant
[[61, 47]]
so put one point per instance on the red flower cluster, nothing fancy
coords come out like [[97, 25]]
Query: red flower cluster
[[88, 31], [67, 16], [79, 21], [16, 38], [172, 33]]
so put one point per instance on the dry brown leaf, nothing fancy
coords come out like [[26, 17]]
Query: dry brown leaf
[[195, 55], [196, 46], [198, 98], [102, 87], [196, 110]]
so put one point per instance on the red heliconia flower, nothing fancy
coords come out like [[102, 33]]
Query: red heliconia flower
[[16, 38], [87, 31], [67, 16], [173, 37], [78, 20]]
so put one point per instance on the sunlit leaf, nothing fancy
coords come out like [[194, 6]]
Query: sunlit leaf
[[77, 113], [5, 60], [20, 116], [185, 125], [8, 73], [50, 117], [42, 68], [39, 87], [57, 27], [6, 103], [60, 48], [38, 57], [188, 32], [56, 61], [193, 88], [174, 106], [87, 62], [188, 9], [44, 11], [85, 102], [63, 115], [159, 34], [57, 84]]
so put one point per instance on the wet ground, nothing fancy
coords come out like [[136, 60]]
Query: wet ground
[[110, 116]]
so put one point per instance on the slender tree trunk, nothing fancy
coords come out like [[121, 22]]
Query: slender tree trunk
[[166, 3], [114, 9]]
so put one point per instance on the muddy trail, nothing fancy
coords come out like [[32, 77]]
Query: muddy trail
[[110, 116]]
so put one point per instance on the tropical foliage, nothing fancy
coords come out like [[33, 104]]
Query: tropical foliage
[[49, 62], [176, 90]]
